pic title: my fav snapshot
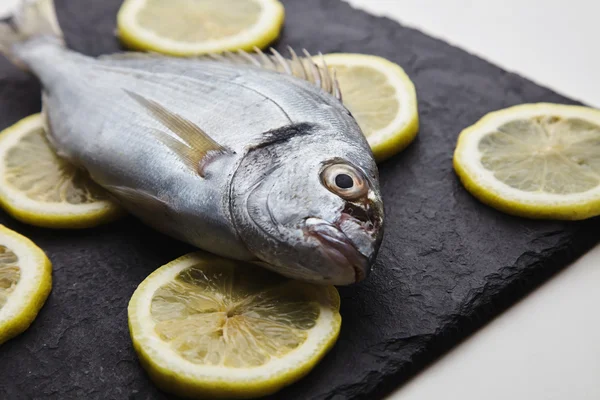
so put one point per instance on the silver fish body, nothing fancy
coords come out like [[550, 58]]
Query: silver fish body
[[257, 187]]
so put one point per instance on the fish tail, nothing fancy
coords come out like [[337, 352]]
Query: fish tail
[[32, 20]]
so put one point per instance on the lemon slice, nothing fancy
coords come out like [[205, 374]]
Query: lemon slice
[[25, 282], [194, 27], [534, 160], [382, 99], [39, 188], [212, 328]]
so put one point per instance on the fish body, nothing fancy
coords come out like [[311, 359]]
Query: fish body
[[232, 158]]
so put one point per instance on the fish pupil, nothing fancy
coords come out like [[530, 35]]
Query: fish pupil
[[344, 181]]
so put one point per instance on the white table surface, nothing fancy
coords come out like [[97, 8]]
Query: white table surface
[[548, 346]]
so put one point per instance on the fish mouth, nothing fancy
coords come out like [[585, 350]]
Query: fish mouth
[[339, 249]]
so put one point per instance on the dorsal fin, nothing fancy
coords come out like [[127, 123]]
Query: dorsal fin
[[194, 145], [305, 67]]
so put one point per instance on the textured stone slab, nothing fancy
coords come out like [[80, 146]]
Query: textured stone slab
[[447, 265]]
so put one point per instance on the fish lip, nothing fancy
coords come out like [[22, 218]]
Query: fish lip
[[338, 247]]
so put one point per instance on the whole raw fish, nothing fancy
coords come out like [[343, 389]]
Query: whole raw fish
[[228, 155]]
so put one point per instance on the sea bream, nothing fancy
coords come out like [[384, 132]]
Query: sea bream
[[224, 153]]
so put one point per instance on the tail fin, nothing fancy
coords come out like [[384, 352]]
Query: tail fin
[[32, 19]]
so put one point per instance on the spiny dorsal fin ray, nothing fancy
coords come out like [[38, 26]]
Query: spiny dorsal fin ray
[[194, 144], [301, 67], [298, 65], [305, 68]]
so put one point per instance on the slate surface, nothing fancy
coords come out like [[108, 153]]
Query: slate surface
[[447, 264]]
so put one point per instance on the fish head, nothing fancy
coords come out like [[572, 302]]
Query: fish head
[[309, 206]]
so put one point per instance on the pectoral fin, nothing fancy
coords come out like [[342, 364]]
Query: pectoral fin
[[191, 143], [144, 201], [155, 211]]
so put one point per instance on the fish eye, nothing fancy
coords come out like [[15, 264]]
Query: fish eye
[[345, 181]]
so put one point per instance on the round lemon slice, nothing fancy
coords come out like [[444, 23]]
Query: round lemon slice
[[534, 160], [382, 99], [212, 328], [25, 282], [39, 188], [194, 27]]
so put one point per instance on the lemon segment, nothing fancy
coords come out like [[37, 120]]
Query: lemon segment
[[534, 160], [382, 99], [25, 283], [39, 188], [208, 327], [194, 27]]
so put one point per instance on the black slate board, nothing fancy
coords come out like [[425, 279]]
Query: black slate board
[[447, 265]]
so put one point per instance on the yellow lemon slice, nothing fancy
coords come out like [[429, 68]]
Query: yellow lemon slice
[[194, 27], [39, 188], [534, 160], [25, 282], [208, 327], [381, 97]]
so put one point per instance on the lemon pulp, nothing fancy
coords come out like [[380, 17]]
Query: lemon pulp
[[373, 109], [534, 160], [10, 272], [198, 20], [382, 99], [194, 27], [25, 282], [40, 188], [204, 326], [544, 154], [36, 171], [237, 320]]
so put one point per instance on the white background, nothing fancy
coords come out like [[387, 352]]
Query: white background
[[548, 346]]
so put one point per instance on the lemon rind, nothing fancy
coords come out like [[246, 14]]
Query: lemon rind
[[482, 184], [32, 290], [192, 380], [264, 32], [47, 215]]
